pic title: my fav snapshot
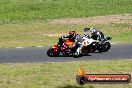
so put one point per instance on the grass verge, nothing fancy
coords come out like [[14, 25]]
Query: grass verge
[[20, 10], [44, 33], [60, 74]]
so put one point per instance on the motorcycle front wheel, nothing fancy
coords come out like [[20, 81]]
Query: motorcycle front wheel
[[51, 52], [86, 50]]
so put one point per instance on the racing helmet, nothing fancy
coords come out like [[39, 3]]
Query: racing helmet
[[72, 34], [93, 30]]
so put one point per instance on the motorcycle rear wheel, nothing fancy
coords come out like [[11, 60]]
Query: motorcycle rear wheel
[[76, 55], [67, 51]]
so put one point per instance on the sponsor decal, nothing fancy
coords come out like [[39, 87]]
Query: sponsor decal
[[83, 78]]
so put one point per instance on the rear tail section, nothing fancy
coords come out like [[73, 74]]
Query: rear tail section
[[108, 38]]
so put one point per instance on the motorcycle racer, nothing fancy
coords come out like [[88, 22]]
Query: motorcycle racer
[[95, 34], [76, 38], [100, 42], [70, 36]]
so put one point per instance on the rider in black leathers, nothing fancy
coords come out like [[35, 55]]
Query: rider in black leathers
[[95, 34]]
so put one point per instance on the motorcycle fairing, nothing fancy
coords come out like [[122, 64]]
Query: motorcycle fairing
[[68, 42]]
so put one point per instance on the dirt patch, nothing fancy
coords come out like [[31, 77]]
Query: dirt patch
[[54, 35], [125, 18]]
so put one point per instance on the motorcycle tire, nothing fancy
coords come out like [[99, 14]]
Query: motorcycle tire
[[100, 48], [86, 50], [76, 55], [106, 46], [51, 52], [67, 52]]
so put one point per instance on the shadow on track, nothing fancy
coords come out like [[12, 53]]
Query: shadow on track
[[70, 55]]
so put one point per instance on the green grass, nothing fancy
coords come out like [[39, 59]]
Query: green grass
[[60, 74], [25, 22], [20, 10], [34, 33]]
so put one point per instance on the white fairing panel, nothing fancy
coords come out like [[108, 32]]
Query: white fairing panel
[[88, 41]]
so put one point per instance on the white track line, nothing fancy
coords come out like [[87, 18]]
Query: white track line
[[19, 47], [114, 43], [39, 46], [29, 46]]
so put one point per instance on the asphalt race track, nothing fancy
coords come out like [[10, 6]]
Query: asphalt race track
[[38, 54]]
